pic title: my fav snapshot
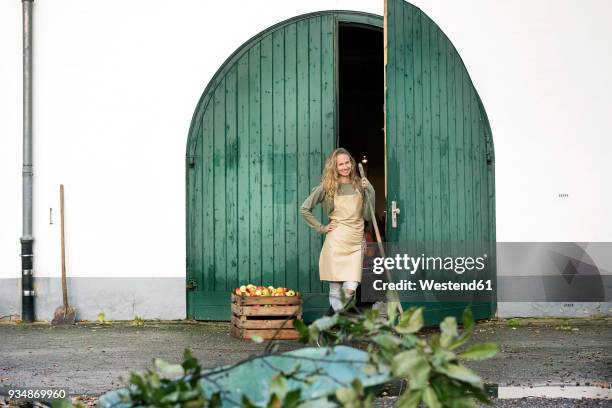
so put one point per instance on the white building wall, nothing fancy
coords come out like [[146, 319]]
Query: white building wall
[[116, 83]]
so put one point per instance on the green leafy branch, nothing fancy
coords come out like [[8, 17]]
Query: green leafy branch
[[432, 367], [170, 385]]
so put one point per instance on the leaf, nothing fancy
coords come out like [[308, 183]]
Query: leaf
[[190, 394], [215, 400], [409, 399], [369, 326], [167, 370], [392, 309], [481, 395], [302, 329], [138, 382], [190, 363], [410, 321], [318, 403], [371, 315], [468, 327], [154, 381], [346, 395], [257, 339], [197, 403], [431, 399], [409, 341], [459, 341], [461, 373], [480, 351], [246, 402], [278, 386], [392, 295], [449, 390], [387, 341], [357, 386], [63, 403], [514, 322], [170, 398], [324, 323], [468, 320], [274, 402], [101, 317], [292, 399], [368, 402], [414, 365], [442, 356], [464, 403], [449, 331]]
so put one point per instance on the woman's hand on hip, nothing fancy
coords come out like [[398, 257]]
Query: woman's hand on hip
[[331, 226]]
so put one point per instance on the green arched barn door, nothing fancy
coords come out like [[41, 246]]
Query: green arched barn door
[[264, 125], [439, 147], [257, 144]]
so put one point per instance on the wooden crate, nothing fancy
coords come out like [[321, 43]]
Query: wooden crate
[[265, 316]]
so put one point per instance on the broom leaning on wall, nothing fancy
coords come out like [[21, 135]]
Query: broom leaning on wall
[[64, 314]]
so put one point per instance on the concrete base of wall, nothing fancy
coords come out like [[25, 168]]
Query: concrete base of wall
[[10, 299], [164, 299], [553, 309], [117, 298]]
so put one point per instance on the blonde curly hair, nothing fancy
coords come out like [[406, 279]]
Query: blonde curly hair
[[329, 178]]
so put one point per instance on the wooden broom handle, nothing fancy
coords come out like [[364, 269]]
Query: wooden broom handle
[[372, 215], [392, 296]]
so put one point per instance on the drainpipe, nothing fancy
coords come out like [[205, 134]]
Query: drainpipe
[[27, 254]]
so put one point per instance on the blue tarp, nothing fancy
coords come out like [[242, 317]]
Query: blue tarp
[[318, 372]]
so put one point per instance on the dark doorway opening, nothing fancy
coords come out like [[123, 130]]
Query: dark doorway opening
[[361, 104]]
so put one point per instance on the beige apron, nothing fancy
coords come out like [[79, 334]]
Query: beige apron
[[340, 258]]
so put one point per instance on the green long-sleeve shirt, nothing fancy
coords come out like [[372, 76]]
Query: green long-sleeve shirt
[[318, 196]]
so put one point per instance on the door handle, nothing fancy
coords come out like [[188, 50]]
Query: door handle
[[394, 212]]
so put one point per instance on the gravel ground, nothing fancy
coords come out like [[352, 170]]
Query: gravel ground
[[388, 402], [89, 358]]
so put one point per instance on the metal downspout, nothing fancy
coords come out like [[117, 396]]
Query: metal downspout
[[27, 239]]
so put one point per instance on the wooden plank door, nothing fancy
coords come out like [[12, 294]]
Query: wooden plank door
[[257, 144], [438, 145]]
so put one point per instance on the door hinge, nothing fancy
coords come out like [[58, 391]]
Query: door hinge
[[192, 285], [191, 161], [488, 153]]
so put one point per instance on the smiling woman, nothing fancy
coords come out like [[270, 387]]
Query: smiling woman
[[342, 193]]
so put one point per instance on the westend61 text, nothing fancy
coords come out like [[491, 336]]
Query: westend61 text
[[429, 284]]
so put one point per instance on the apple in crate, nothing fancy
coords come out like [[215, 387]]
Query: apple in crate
[[252, 290]]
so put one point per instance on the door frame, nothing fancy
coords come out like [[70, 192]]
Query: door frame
[[362, 20]]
